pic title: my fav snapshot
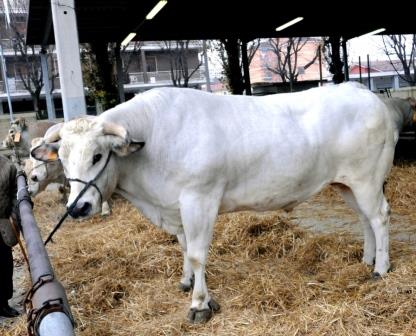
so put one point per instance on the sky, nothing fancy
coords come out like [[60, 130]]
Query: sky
[[361, 46]]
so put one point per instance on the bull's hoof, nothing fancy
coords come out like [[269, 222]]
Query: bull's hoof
[[185, 287], [214, 305], [201, 316], [376, 276]]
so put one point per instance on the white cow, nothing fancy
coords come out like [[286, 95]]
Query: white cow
[[40, 174], [183, 156]]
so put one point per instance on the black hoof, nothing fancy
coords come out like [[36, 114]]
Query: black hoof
[[186, 288], [376, 276], [214, 305], [201, 316]]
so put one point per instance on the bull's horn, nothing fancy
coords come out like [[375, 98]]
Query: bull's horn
[[52, 134], [110, 128]]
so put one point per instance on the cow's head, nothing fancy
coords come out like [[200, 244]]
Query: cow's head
[[87, 148], [40, 173], [15, 132], [36, 170]]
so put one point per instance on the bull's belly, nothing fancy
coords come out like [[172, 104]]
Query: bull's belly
[[271, 196]]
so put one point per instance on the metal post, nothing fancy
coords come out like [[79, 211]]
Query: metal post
[[6, 83], [119, 69], [69, 64], [47, 85], [144, 66], [345, 59], [47, 307], [359, 68], [207, 77], [246, 67], [396, 82], [320, 64], [368, 72]]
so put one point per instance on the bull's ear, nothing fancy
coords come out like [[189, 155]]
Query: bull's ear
[[46, 152], [129, 148]]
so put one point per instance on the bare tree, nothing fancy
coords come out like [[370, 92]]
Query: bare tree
[[404, 48], [229, 54], [27, 59], [331, 48], [287, 51], [180, 70], [29, 71], [129, 53]]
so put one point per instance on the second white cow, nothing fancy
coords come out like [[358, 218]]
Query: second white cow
[[183, 156], [40, 174]]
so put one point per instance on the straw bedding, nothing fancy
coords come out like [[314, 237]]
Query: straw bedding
[[270, 276]]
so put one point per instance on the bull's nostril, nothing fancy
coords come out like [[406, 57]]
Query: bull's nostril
[[80, 210], [85, 209], [34, 178]]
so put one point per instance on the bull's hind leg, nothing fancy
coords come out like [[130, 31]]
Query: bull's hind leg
[[187, 280], [374, 206], [369, 254], [198, 214]]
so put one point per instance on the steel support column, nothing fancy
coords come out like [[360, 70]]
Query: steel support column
[[69, 63]]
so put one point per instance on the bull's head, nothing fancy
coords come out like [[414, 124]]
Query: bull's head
[[84, 147]]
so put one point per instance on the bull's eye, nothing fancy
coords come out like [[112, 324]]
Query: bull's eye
[[96, 158]]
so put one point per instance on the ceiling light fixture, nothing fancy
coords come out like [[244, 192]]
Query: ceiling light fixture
[[156, 9], [128, 38], [288, 24], [373, 32]]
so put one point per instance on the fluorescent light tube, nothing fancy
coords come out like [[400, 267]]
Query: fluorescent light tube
[[128, 38], [373, 32], [156, 9], [288, 24]]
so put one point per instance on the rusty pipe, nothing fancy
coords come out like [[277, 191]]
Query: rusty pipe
[[46, 303]]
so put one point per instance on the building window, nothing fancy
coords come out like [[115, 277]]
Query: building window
[[301, 70], [151, 64]]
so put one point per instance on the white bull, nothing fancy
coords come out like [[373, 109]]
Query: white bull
[[205, 154]]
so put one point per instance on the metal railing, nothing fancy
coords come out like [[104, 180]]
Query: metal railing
[[161, 77]]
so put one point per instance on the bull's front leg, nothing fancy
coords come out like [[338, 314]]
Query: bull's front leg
[[187, 279], [105, 209], [198, 214]]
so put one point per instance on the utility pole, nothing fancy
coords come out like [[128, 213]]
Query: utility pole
[[207, 77], [6, 82], [47, 86]]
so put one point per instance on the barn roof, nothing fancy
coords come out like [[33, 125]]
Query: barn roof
[[112, 20]]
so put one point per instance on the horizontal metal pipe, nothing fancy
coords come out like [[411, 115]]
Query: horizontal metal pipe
[[56, 324], [47, 295]]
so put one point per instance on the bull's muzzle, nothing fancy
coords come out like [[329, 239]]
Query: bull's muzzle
[[81, 209]]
